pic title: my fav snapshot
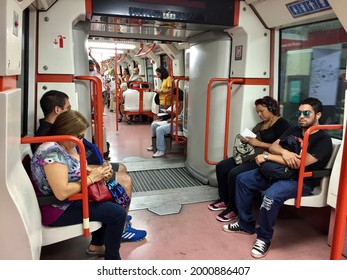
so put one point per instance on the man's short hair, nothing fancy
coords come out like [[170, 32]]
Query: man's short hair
[[52, 99], [315, 103], [91, 61]]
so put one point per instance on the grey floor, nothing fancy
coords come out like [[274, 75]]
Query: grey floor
[[167, 200]]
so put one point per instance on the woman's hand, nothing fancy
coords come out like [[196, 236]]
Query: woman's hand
[[108, 172], [101, 173], [253, 141]]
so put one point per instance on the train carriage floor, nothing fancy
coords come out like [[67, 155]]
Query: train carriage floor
[[178, 223]]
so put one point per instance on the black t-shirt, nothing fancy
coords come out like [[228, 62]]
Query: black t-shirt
[[269, 135], [275, 131], [319, 146], [41, 131]]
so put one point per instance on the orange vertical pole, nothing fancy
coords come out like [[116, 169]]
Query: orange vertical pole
[[302, 173], [208, 112], [117, 92], [341, 209], [96, 83]]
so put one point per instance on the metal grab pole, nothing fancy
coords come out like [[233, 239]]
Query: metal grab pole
[[208, 111], [98, 104]]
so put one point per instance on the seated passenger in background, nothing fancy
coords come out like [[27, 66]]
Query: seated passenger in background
[[268, 130], [126, 91], [56, 170], [275, 193], [53, 103], [135, 77], [159, 130]]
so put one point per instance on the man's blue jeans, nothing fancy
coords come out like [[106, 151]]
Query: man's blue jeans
[[273, 196]]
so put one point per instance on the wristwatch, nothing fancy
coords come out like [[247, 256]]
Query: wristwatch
[[266, 156]]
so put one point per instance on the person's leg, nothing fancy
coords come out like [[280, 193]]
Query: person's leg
[[230, 213], [112, 102], [246, 183], [111, 215], [272, 200], [118, 167], [125, 181], [154, 126], [222, 170], [160, 133], [231, 184]]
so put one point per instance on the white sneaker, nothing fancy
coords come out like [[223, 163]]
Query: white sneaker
[[158, 154], [150, 148], [260, 249]]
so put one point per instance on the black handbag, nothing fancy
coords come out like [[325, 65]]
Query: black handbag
[[275, 171]]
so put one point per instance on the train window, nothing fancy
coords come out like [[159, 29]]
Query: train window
[[313, 64], [149, 71]]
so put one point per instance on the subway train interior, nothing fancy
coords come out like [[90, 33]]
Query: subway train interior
[[222, 57]]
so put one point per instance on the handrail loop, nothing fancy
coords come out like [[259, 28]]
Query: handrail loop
[[98, 105], [83, 195], [145, 52], [227, 115]]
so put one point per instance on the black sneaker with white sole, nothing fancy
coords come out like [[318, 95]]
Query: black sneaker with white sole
[[260, 249], [235, 228]]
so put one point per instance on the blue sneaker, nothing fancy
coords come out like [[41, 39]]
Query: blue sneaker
[[132, 235], [129, 218]]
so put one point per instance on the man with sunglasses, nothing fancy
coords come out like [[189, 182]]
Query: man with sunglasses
[[275, 193]]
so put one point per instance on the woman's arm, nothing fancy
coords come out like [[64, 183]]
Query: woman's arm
[[57, 177]]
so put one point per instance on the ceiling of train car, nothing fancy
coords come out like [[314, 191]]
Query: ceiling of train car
[[170, 20], [117, 27], [110, 20]]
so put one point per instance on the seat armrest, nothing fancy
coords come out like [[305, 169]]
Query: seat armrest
[[321, 173], [48, 199]]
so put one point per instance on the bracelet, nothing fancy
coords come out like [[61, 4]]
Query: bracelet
[[90, 178]]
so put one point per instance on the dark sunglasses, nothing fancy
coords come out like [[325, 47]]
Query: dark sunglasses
[[306, 113], [80, 136]]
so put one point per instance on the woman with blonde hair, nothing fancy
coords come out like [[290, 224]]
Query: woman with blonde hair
[[56, 171]]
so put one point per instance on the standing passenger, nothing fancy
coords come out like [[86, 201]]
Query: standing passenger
[[165, 88], [125, 76], [96, 71]]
